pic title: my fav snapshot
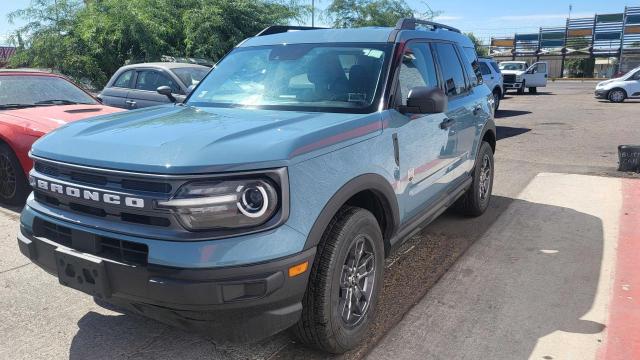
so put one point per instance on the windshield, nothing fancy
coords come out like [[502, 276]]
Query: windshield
[[190, 76], [305, 77], [34, 90], [512, 66]]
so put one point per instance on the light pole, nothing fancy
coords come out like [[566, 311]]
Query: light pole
[[313, 12]]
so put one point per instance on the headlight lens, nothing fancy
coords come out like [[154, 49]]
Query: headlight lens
[[231, 204]]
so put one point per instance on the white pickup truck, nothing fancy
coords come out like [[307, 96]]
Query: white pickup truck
[[519, 75]]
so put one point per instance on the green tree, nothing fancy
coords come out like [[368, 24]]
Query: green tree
[[358, 13], [89, 40], [481, 50]]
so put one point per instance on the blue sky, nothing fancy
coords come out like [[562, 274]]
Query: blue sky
[[484, 18]]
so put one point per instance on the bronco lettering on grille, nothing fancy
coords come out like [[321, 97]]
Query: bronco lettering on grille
[[86, 194]]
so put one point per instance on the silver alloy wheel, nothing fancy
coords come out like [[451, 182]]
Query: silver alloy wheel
[[485, 177], [7, 178], [357, 280], [616, 96]]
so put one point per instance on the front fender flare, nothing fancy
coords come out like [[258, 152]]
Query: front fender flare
[[373, 182]]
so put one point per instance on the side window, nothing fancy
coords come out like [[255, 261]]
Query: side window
[[484, 69], [417, 69], [636, 76], [474, 65], [151, 80], [451, 69], [124, 80], [495, 66], [541, 68]]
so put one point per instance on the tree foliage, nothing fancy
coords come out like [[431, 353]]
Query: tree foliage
[[356, 13], [480, 49], [90, 40]]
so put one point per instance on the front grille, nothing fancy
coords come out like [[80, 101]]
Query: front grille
[[109, 248], [509, 78], [95, 179], [102, 213]]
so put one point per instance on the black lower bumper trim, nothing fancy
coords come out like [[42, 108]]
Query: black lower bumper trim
[[237, 303]]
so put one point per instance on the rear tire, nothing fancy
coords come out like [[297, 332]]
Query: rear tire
[[334, 316], [14, 188], [476, 200], [617, 95], [533, 90]]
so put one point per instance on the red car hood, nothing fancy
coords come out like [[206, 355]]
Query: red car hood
[[43, 119]]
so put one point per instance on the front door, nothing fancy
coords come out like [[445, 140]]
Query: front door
[[422, 142], [537, 75], [634, 85], [147, 82]]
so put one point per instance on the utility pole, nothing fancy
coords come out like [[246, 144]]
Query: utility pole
[[313, 13], [570, 8]]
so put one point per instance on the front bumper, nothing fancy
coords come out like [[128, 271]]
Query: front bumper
[[239, 303], [516, 85], [601, 94]]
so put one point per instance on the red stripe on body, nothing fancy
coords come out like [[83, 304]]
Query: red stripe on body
[[331, 140], [622, 339]]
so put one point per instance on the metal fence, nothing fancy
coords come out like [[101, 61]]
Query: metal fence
[[603, 36]]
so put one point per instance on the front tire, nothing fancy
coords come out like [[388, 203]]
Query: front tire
[[13, 183], [476, 200], [617, 95], [344, 283], [521, 89]]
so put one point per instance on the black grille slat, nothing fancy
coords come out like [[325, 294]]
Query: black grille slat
[[149, 186], [509, 78], [89, 179], [113, 249]]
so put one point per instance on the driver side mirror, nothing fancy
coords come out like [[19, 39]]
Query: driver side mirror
[[166, 91], [423, 100]]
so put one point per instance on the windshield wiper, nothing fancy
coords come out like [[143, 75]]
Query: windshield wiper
[[60, 102], [16, 106]]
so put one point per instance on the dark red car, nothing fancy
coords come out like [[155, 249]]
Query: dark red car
[[33, 103]]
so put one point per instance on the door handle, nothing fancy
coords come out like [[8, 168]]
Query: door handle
[[477, 109], [131, 103], [447, 123]]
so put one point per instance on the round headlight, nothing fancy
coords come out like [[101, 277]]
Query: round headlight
[[254, 201]]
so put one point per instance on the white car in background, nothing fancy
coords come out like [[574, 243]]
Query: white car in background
[[619, 89], [519, 75]]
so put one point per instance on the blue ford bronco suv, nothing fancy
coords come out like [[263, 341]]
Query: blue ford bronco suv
[[271, 197]]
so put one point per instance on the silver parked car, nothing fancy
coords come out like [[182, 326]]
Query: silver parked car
[[136, 86]]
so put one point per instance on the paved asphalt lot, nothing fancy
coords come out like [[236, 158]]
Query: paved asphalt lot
[[561, 130]]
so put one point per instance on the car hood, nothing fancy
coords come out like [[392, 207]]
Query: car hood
[[40, 120], [180, 139], [514, 72]]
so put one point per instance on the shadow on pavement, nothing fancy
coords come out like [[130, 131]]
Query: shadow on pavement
[[534, 273], [503, 132], [410, 273], [500, 114]]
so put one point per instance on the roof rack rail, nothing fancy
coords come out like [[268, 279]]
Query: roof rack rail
[[277, 29], [410, 24]]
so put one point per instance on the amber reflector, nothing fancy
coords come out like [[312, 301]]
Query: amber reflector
[[298, 269]]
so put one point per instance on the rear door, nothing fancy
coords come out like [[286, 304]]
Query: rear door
[[145, 94], [537, 75], [463, 108], [115, 94]]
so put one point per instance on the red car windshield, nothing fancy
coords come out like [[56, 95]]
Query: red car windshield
[[33, 90]]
